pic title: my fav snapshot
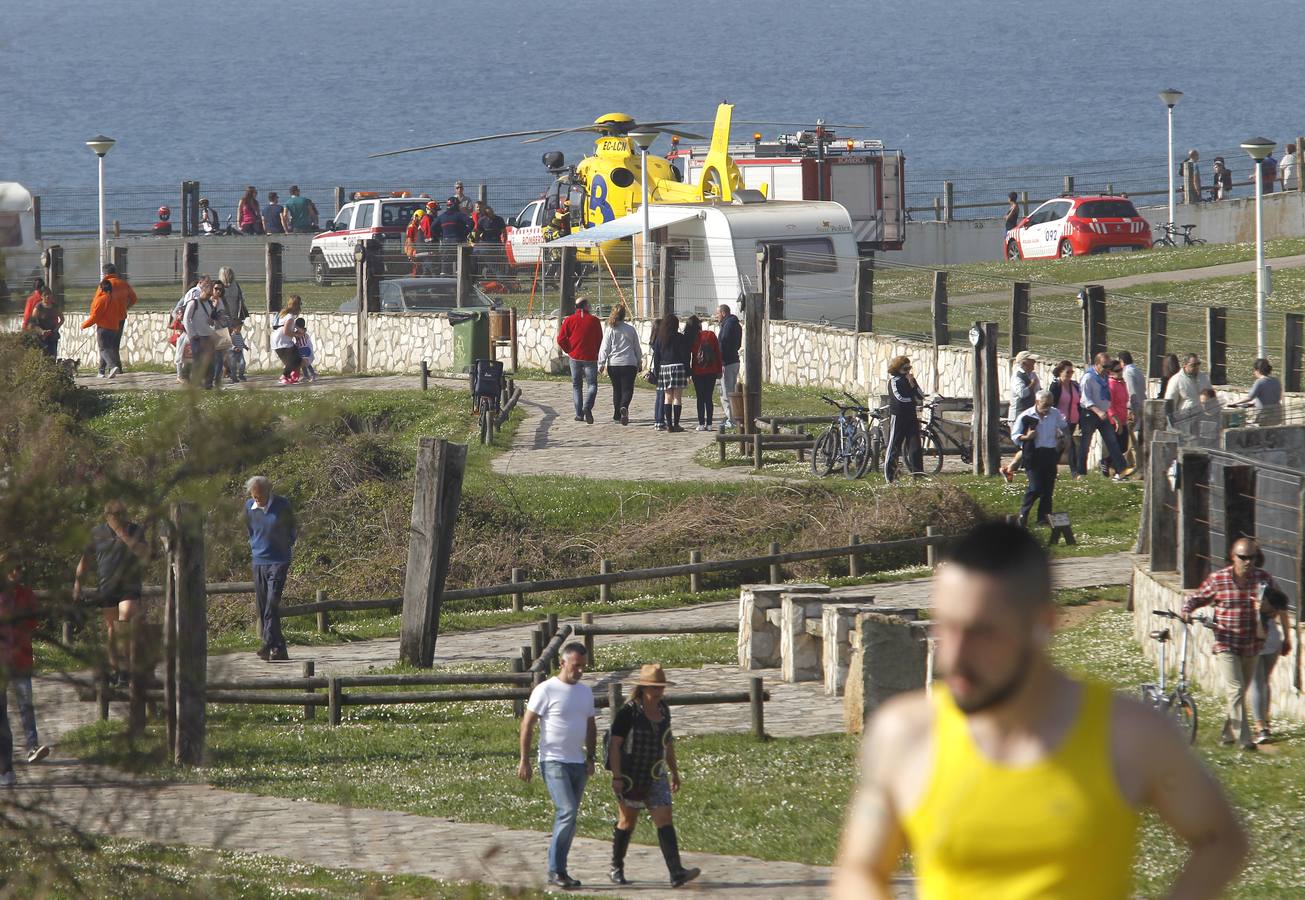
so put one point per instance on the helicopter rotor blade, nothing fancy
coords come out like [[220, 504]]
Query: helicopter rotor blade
[[683, 134], [487, 137], [552, 134], [803, 124]]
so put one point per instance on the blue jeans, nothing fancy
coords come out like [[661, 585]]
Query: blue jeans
[[269, 582], [565, 783], [659, 406], [26, 711], [588, 371], [1088, 423], [6, 736]]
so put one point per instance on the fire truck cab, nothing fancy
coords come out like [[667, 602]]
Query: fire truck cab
[[868, 180]]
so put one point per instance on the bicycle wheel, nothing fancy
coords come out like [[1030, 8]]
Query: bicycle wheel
[[857, 458], [931, 452], [1183, 711], [825, 453], [486, 424]]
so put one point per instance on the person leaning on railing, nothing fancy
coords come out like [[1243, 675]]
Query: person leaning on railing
[[1265, 395]]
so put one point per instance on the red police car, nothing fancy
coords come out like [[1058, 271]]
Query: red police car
[[1077, 226]]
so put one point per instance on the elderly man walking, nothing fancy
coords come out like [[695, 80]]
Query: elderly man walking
[[580, 337], [564, 709], [1234, 591], [1040, 430], [730, 337], [1183, 394], [270, 521]]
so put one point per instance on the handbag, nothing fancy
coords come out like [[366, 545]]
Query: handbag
[[222, 339], [651, 377]]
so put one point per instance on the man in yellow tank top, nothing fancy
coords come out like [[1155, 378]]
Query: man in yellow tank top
[[1013, 780]]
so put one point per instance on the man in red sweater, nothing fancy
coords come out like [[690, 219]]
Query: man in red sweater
[[17, 622], [580, 336]]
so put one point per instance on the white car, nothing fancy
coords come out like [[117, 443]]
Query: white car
[[365, 217]]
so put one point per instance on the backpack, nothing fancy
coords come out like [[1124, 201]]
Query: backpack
[[707, 357]]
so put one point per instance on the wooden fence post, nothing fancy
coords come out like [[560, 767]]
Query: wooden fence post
[[754, 337], [991, 401], [1194, 517], [340, 197], [853, 560], [1293, 336], [588, 619], [1094, 321], [52, 270], [120, 260], [758, 457], [1216, 344], [566, 289], [666, 279], [189, 265], [275, 275], [931, 551], [310, 669], [1069, 184], [527, 657], [334, 700], [949, 201], [773, 282], [1154, 420], [614, 700], [1019, 317], [169, 635], [518, 600], [192, 634], [463, 269], [976, 392], [1161, 502], [536, 643], [865, 294], [435, 499], [757, 699], [695, 579], [323, 617], [1157, 333], [604, 590], [774, 567], [939, 306], [518, 706]]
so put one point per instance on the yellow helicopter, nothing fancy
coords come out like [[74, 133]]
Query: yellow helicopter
[[607, 185]]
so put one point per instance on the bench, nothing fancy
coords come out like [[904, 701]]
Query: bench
[[759, 443], [759, 622]]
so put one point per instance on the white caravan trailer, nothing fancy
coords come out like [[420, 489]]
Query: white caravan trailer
[[20, 251], [715, 247]]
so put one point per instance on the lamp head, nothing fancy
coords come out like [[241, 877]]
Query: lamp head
[[1258, 147], [1169, 97], [100, 144], [644, 139]]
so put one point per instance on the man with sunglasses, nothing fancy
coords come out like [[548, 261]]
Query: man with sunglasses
[[1234, 591]]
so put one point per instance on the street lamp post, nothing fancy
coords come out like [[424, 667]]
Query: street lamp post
[[1258, 148], [100, 145], [644, 139], [1170, 98]]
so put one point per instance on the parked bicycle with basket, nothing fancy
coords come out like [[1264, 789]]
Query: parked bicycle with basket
[[486, 395]]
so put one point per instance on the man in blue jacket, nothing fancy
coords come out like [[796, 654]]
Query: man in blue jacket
[[454, 227], [272, 535], [730, 336]]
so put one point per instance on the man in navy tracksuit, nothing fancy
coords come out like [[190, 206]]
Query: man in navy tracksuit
[[272, 535], [454, 226]]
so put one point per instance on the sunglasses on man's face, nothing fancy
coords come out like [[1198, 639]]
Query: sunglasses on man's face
[[1244, 558]]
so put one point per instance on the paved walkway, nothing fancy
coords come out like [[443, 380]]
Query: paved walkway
[[1223, 270], [109, 802]]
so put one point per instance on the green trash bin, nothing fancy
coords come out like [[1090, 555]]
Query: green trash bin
[[470, 338]]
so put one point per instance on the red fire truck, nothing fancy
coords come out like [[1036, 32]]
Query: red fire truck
[[815, 164]]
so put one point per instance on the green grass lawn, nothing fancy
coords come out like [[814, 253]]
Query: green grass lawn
[[782, 799], [49, 864]]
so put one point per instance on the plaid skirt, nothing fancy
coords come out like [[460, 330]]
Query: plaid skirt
[[671, 375]]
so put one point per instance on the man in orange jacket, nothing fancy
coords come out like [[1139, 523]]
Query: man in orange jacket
[[109, 315]]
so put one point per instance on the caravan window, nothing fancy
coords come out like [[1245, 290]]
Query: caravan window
[[809, 256]]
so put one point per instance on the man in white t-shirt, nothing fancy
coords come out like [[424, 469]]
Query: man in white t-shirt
[[564, 709]]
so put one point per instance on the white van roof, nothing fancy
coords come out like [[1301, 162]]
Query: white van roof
[[14, 197]]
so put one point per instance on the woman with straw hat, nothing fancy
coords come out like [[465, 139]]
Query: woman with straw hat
[[641, 756]]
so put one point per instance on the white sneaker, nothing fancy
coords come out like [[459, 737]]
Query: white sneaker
[[38, 754], [114, 372], [8, 779], [700, 428], [99, 374]]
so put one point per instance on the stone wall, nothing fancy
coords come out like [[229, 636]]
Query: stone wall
[[1161, 590]]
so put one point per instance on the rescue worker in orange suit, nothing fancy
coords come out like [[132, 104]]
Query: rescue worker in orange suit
[[429, 239], [558, 227], [410, 236]]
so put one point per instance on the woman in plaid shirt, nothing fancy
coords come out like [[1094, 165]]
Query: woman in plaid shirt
[[1234, 591]]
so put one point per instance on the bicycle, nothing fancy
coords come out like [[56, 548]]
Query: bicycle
[[1177, 704], [933, 439], [1172, 231], [486, 393], [846, 441]]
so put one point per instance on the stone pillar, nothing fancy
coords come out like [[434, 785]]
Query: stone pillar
[[800, 644], [889, 657], [759, 618]]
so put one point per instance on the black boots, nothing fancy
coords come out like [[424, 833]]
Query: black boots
[[620, 843], [675, 417], [671, 853]]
